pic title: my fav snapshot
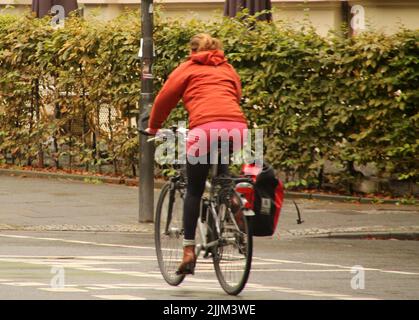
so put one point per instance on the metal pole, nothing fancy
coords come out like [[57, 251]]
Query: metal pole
[[146, 165]]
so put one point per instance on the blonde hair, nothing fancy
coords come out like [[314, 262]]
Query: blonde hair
[[204, 42]]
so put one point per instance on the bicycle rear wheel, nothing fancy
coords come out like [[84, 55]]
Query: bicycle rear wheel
[[233, 256], [168, 233]]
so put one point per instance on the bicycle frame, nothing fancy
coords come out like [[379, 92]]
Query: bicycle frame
[[210, 206], [219, 231]]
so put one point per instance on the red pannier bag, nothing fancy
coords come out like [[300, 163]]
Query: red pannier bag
[[265, 198]]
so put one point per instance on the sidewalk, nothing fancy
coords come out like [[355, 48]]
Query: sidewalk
[[28, 173], [61, 205]]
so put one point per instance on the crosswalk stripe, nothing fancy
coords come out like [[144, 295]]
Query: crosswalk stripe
[[64, 290]]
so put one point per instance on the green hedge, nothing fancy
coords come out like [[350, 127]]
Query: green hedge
[[319, 99]]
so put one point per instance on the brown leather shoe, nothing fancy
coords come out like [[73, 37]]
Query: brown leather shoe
[[188, 263]]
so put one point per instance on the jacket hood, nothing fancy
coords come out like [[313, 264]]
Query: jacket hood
[[210, 57]]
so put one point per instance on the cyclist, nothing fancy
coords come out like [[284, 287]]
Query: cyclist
[[211, 92]]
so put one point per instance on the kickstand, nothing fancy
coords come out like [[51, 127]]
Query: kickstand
[[299, 221]]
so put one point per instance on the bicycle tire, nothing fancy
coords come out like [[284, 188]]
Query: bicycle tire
[[168, 238], [221, 261]]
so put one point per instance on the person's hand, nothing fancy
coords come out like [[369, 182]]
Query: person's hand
[[151, 131]]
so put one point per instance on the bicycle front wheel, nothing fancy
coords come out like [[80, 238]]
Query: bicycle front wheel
[[168, 232], [233, 256]]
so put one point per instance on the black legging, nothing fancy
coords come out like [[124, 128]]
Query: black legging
[[197, 175]]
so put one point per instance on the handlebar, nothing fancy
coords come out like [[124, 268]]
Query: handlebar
[[142, 124]]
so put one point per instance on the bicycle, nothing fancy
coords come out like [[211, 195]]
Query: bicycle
[[226, 236]]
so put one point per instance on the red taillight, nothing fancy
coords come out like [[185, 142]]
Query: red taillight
[[246, 190]]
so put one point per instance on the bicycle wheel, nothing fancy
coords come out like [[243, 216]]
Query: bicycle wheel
[[168, 233], [233, 256]]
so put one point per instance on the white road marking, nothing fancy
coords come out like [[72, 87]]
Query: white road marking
[[357, 298], [256, 259], [164, 287], [87, 262], [24, 284], [135, 274], [298, 270], [77, 241], [64, 290], [97, 269], [332, 266], [119, 297], [399, 272], [192, 285], [310, 293], [73, 258]]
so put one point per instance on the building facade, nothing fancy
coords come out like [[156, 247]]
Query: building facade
[[385, 15]]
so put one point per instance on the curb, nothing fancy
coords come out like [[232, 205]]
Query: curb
[[337, 198], [66, 176], [159, 184], [379, 235], [123, 228]]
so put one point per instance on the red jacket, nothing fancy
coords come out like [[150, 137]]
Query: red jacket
[[210, 89]]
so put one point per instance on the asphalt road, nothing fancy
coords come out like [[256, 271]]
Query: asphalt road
[[66, 240], [123, 266]]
